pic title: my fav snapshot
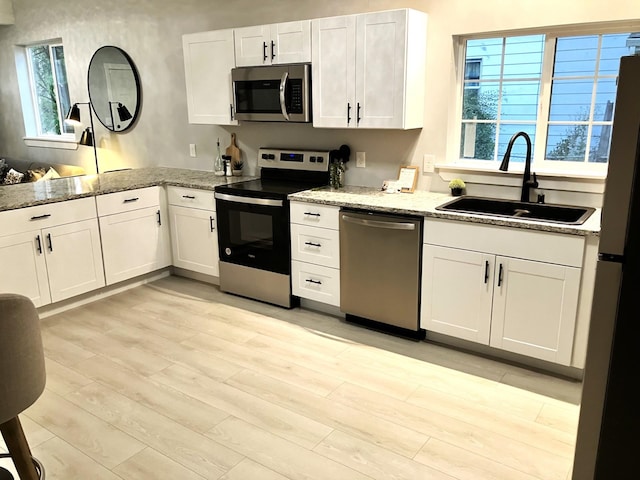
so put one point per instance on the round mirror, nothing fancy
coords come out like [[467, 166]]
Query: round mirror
[[114, 88]]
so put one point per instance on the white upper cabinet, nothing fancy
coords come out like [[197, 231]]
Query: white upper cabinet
[[208, 60], [369, 70], [288, 42]]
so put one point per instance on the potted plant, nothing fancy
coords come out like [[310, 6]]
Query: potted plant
[[456, 185], [236, 167]]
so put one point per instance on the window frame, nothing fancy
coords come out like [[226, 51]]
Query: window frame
[[34, 137], [539, 162]]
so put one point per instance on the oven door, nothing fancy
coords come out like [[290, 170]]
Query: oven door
[[254, 232]]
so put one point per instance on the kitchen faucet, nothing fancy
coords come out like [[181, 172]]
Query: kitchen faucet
[[527, 182]]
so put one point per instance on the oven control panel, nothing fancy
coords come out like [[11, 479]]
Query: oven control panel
[[313, 160]]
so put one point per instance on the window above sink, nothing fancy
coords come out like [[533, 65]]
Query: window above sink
[[558, 88]]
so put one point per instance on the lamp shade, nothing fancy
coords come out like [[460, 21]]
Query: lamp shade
[[86, 138], [123, 113], [73, 117]]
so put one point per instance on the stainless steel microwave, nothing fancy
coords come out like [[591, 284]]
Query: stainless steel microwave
[[279, 93]]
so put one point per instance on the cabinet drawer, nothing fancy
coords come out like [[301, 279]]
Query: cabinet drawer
[[315, 282], [314, 214], [320, 246], [45, 216], [191, 197], [127, 201]]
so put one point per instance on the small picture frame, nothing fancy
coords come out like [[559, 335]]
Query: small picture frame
[[407, 178]]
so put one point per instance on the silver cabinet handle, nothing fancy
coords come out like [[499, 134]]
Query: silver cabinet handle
[[378, 224]]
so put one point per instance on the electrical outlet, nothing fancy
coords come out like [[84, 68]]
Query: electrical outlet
[[361, 159], [428, 163], [192, 149]]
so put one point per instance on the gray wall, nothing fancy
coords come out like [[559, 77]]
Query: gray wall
[[150, 31]]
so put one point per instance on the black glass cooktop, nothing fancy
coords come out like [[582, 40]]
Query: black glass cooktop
[[269, 187]]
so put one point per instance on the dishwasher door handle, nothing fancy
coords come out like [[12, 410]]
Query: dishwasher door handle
[[377, 224]]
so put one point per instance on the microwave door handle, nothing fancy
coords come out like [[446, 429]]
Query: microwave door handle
[[283, 105]]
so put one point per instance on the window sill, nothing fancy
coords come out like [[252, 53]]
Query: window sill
[[588, 182], [51, 142]]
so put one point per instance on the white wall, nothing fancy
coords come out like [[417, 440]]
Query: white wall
[[150, 31]]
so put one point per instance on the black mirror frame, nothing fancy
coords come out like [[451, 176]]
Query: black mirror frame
[[136, 77]]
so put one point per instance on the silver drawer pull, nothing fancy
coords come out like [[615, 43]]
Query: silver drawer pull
[[311, 244], [312, 214], [41, 217], [315, 282], [190, 197], [129, 200]]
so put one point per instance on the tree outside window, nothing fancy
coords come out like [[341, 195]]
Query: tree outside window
[[48, 76]]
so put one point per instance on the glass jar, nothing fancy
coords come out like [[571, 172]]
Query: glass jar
[[336, 174]]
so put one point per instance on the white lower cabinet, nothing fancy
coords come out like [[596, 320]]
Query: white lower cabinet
[[51, 252], [315, 252], [525, 306], [194, 235], [74, 259], [135, 240]]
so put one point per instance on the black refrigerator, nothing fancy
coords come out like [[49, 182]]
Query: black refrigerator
[[608, 441]]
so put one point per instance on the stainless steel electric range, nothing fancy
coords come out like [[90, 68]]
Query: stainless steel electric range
[[253, 224]]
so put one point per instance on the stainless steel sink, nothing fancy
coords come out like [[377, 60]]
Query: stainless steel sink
[[540, 212]]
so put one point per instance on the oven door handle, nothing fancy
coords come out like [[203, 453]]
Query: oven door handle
[[283, 105], [266, 202]]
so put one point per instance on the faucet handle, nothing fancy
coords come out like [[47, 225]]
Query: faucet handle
[[533, 183]]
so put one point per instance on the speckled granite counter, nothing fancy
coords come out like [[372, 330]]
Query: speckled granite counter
[[61, 189], [425, 203]]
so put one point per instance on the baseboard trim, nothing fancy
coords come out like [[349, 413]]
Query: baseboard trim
[[104, 292]]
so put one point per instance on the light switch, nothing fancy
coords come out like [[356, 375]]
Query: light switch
[[192, 149], [361, 159]]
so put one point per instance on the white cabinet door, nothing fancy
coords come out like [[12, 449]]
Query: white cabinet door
[[288, 42], [194, 239], [381, 69], [253, 45], [457, 287], [24, 270], [208, 60], [534, 308], [291, 42], [134, 243], [369, 70], [74, 259], [333, 71]]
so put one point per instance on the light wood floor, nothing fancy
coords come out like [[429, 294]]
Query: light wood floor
[[175, 380]]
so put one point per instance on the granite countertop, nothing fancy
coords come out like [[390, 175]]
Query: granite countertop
[[424, 204], [68, 188]]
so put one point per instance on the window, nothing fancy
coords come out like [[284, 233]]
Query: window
[[44, 94], [558, 89], [48, 78]]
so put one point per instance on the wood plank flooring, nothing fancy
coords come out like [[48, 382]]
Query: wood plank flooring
[[176, 380]]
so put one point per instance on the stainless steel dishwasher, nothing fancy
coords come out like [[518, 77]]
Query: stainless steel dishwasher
[[380, 268]]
